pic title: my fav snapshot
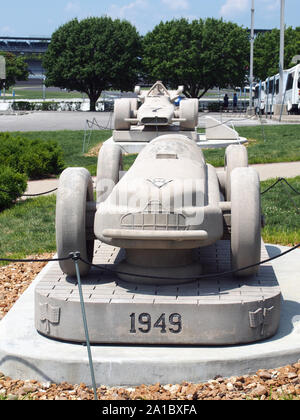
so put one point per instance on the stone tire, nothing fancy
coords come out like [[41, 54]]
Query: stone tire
[[108, 169], [188, 109], [74, 191], [236, 156], [133, 107], [245, 220], [122, 110]]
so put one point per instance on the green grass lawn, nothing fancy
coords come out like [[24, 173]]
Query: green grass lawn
[[281, 208], [267, 144], [29, 227], [29, 94]]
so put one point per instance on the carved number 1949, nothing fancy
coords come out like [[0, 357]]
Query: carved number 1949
[[172, 324]]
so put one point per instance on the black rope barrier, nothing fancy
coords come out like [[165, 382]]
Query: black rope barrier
[[39, 194], [30, 195], [277, 182], [13, 260]]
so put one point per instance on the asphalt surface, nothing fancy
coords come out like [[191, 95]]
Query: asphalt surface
[[68, 120], [52, 121]]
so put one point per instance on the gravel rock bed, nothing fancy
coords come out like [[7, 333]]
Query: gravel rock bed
[[15, 278], [273, 384]]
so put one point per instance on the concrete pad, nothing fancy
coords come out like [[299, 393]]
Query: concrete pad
[[216, 144], [42, 186], [25, 354], [292, 119], [136, 147], [215, 130], [132, 144]]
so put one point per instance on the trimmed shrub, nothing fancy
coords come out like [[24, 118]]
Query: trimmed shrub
[[46, 106], [14, 183], [49, 106], [34, 158], [22, 106], [214, 107]]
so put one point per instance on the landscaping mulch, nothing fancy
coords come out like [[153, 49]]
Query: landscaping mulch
[[15, 278], [273, 384]]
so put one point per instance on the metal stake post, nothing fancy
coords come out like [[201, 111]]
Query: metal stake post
[[75, 257], [3, 72], [251, 54], [281, 50]]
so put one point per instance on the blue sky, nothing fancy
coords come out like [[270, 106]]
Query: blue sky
[[42, 17]]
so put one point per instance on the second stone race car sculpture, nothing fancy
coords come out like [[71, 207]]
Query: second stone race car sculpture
[[169, 203], [157, 107]]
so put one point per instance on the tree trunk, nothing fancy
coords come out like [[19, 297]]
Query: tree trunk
[[92, 105], [93, 101], [93, 96], [203, 92]]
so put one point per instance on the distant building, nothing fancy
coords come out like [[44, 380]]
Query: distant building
[[31, 47]]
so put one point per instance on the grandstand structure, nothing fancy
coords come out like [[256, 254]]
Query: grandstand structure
[[259, 31], [31, 47]]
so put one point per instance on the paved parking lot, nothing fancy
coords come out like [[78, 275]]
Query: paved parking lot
[[48, 121], [51, 121]]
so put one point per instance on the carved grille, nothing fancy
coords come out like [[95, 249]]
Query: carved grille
[[154, 217]]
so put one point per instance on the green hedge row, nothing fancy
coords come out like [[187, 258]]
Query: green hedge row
[[12, 186], [34, 158], [22, 159], [43, 106], [34, 106]]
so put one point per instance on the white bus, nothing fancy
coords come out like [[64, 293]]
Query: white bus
[[267, 92], [259, 97], [292, 91]]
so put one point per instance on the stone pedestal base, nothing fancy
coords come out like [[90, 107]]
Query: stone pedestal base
[[214, 311]]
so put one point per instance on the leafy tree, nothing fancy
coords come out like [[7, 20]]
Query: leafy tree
[[93, 54], [266, 51], [16, 69], [199, 55]]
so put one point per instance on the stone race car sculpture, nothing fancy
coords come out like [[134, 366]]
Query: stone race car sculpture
[[178, 242], [169, 203]]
